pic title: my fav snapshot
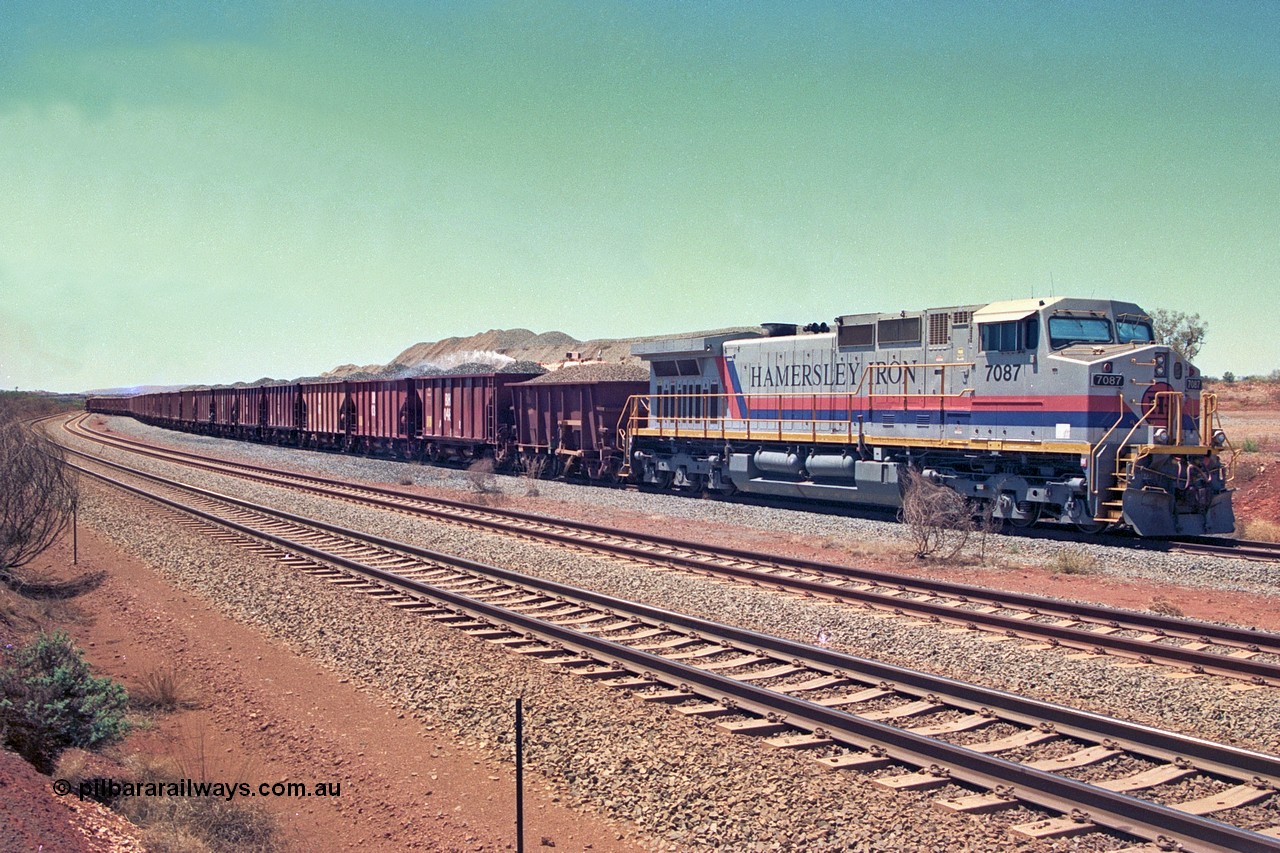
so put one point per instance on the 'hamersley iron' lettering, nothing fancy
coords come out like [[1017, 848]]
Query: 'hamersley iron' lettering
[[836, 374]]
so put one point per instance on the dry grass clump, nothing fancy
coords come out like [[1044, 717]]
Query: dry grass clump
[[164, 690], [1072, 563], [211, 824], [201, 824], [1165, 607], [534, 470], [1259, 530]]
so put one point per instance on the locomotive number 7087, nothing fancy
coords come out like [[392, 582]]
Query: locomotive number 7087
[[1003, 372]]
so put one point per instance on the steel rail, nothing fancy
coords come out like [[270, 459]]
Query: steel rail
[[710, 559], [1105, 808], [1241, 549]]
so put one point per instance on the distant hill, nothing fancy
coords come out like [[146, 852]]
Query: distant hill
[[497, 350], [506, 347], [134, 389]]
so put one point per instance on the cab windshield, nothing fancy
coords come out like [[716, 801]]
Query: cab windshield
[[1064, 331], [1128, 331]]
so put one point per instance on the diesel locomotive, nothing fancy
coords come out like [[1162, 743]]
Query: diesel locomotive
[[1057, 409]]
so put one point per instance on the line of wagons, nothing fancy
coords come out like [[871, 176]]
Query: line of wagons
[[547, 425]]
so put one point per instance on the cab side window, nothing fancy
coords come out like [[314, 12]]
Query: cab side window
[[1011, 335]]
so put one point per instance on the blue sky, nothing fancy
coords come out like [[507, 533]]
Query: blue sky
[[210, 192]]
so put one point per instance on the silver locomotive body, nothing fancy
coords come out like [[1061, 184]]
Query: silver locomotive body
[[1058, 409]]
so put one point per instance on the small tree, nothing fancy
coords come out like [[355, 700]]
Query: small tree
[[939, 518], [49, 701], [1184, 332], [37, 494]]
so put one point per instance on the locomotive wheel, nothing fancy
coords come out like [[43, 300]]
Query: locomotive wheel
[[1030, 519], [1091, 526]]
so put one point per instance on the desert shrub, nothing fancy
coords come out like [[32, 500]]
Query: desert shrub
[[481, 477], [1250, 445], [535, 469], [1260, 530], [1072, 563], [939, 519], [985, 523], [38, 493], [51, 701], [1165, 607]]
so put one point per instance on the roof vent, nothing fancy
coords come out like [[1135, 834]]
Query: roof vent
[[778, 330]]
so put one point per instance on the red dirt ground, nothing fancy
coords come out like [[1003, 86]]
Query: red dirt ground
[[1251, 417], [267, 715]]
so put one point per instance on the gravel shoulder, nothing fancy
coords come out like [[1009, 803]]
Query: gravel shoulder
[[1209, 588], [266, 711], [678, 781]]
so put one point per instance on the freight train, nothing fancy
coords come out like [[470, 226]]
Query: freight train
[[1056, 409], [553, 424]]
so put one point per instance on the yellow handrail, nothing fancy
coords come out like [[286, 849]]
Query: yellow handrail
[[1211, 422], [1102, 442], [1175, 399]]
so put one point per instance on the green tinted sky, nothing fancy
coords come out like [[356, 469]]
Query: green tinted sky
[[239, 189]]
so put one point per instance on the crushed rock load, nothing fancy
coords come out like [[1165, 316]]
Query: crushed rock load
[[596, 373], [471, 367]]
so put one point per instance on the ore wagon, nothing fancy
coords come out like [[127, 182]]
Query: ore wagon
[[569, 426]]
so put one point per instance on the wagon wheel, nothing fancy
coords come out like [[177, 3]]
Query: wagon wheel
[[608, 472], [502, 458], [664, 479]]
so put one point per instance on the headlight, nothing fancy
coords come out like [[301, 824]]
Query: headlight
[[1161, 435], [1219, 438]]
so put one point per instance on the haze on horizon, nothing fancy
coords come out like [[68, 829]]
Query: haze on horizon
[[206, 193]]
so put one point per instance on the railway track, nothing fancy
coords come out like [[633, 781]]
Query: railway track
[[1240, 549], [1147, 638], [915, 730]]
